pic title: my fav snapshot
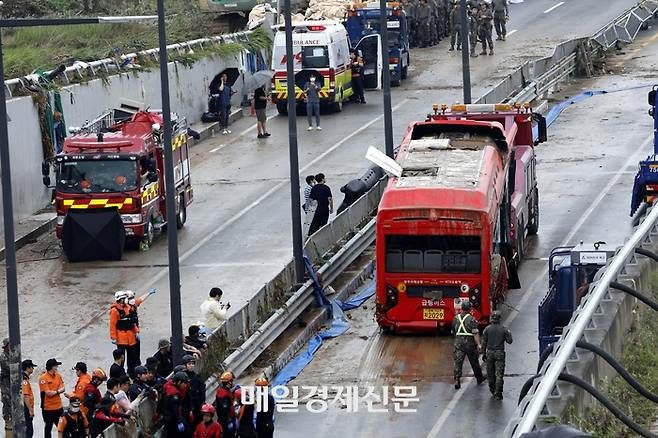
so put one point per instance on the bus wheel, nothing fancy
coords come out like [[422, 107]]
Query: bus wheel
[[533, 227], [181, 217], [282, 108]]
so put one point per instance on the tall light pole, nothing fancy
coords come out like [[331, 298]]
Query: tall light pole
[[386, 79], [172, 232], [295, 204], [466, 68], [13, 313]]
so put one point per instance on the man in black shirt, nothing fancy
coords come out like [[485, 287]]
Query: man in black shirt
[[321, 193], [116, 369], [260, 105], [164, 357]]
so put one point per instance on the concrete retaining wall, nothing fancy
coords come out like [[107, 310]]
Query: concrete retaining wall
[[189, 93]]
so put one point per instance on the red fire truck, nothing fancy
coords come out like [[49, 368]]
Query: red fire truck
[[451, 227], [116, 164]]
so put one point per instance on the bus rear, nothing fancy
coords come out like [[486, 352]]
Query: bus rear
[[428, 262]]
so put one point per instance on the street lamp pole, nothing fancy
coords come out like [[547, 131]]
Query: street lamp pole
[[172, 234], [18, 426], [297, 240], [386, 79], [466, 68]]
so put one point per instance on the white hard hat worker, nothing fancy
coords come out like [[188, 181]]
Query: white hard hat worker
[[120, 295]]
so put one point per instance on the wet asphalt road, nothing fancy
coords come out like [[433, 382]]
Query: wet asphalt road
[[585, 173], [238, 232]]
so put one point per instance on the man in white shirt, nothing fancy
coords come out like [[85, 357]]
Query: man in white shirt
[[213, 310]]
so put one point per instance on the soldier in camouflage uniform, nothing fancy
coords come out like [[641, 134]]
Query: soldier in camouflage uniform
[[467, 343], [439, 20], [447, 7], [455, 27], [485, 21], [410, 11], [501, 15], [424, 16], [5, 383], [494, 338], [473, 30], [434, 5]]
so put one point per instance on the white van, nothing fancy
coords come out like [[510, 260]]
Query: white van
[[321, 48]]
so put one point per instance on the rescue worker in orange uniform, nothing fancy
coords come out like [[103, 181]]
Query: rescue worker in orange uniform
[[265, 411], [135, 302], [224, 405], [92, 395], [83, 380], [28, 397], [124, 329], [51, 386], [208, 428], [73, 424]]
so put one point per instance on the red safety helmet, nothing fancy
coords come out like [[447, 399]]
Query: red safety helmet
[[237, 395], [207, 409]]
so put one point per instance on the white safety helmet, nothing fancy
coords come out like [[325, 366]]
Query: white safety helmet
[[130, 294], [120, 295]]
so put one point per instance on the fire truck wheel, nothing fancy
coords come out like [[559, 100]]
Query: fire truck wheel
[[519, 242], [181, 217], [149, 232]]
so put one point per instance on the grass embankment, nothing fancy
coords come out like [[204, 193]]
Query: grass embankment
[[28, 49], [640, 357]]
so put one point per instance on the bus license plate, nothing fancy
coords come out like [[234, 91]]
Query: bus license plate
[[435, 314]]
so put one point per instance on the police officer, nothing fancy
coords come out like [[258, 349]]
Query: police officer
[[5, 389], [455, 27], [494, 338], [473, 30], [485, 20], [501, 15], [467, 343]]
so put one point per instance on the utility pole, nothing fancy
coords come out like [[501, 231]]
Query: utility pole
[[295, 204], [172, 234], [466, 68], [386, 79], [13, 313]]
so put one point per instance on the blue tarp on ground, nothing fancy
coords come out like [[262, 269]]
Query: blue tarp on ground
[[339, 325]]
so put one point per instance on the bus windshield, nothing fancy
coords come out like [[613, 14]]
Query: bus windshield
[[96, 176], [433, 254]]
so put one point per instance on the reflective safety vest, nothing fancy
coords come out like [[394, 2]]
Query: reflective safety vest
[[461, 329]]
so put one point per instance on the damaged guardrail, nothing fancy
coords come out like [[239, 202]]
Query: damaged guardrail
[[536, 78]]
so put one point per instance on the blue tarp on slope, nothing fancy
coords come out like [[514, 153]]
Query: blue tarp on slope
[[339, 325]]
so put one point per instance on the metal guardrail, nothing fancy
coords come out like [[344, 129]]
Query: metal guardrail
[[261, 320], [532, 405], [122, 63], [535, 78]]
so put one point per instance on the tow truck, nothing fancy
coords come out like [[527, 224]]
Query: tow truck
[[362, 23], [645, 187], [571, 269], [109, 182]]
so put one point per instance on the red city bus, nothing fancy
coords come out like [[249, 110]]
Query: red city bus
[[444, 227]]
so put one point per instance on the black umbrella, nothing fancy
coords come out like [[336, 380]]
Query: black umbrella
[[93, 234], [302, 77], [232, 75], [560, 431]]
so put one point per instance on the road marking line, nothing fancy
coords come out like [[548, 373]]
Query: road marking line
[[157, 277], [434, 432], [553, 7], [216, 149], [512, 32]]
